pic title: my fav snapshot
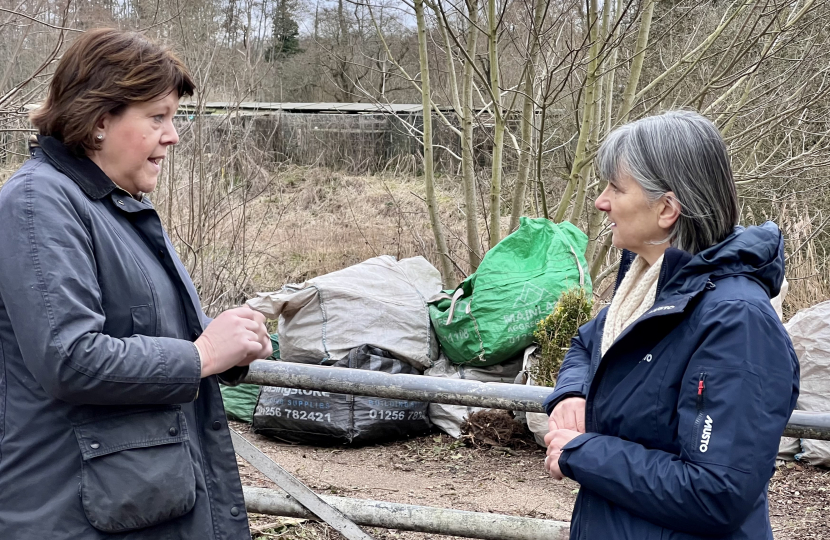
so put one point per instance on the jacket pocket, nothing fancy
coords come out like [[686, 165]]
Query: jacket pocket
[[136, 469], [726, 405], [702, 428], [143, 324]]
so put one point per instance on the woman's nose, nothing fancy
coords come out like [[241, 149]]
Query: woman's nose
[[171, 136], [603, 202]]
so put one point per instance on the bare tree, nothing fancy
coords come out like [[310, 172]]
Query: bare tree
[[447, 271]]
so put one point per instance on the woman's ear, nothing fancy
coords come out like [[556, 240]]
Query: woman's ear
[[669, 211], [101, 124], [99, 134]]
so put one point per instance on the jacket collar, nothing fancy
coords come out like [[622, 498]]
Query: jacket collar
[[82, 170], [666, 303], [756, 253], [673, 261]]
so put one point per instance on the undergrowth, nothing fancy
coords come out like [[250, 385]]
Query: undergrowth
[[554, 334]]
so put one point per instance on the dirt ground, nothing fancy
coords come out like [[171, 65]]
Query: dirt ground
[[800, 503], [437, 470]]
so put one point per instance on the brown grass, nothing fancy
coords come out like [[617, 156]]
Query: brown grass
[[807, 261], [331, 221], [294, 223]]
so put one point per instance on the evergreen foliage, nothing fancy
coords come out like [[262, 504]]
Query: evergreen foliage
[[286, 35]]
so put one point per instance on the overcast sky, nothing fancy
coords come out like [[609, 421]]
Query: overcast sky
[[305, 18]]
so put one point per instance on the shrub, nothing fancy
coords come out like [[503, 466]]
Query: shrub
[[554, 333]]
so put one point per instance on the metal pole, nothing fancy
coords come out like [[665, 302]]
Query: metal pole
[[363, 382], [809, 425], [407, 517], [513, 397], [299, 492]]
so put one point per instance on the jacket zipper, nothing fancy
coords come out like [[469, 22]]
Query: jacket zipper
[[661, 280], [701, 402]]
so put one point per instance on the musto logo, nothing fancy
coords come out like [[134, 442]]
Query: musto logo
[[707, 434]]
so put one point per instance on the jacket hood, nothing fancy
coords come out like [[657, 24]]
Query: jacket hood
[[756, 252]]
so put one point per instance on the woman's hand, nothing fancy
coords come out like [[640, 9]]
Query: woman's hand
[[555, 441], [566, 422], [568, 414], [236, 337]]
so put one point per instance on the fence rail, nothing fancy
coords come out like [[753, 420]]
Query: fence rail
[[427, 519], [408, 517], [514, 397]]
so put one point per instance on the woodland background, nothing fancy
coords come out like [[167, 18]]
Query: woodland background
[[528, 89]]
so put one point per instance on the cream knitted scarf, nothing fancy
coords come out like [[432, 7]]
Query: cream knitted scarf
[[635, 296]]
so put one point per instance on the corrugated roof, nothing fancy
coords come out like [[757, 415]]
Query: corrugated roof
[[349, 108]]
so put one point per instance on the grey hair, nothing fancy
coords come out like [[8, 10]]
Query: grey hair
[[682, 152]]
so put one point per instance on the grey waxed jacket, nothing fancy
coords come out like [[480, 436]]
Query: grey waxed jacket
[[106, 428]]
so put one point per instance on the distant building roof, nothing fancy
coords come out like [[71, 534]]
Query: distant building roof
[[347, 108]]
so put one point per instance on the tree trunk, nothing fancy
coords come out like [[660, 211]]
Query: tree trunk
[[596, 217], [528, 111], [342, 76], [442, 27], [610, 76], [498, 132], [447, 272], [467, 158], [580, 163], [540, 141], [636, 64]]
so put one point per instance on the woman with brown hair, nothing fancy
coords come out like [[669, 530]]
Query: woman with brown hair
[[111, 420]]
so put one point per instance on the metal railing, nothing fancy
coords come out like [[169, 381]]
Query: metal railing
[[514, 397], [426, 519], [409, 517]]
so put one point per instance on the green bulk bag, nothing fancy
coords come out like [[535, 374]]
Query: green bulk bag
[[491, 316], [240, 400]]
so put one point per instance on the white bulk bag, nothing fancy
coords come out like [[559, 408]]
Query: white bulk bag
[[380, 302], [810, 331], [537, 423]]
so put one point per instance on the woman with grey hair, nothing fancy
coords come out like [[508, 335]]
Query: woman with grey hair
[[670, 403]]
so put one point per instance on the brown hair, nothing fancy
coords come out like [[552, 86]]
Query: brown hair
[[105, 71]]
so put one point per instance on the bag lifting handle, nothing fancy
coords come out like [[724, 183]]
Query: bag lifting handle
[[455, 296]]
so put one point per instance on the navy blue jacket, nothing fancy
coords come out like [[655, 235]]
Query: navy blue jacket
[[685, 410]]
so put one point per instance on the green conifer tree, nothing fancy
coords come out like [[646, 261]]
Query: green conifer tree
[[286, 33]]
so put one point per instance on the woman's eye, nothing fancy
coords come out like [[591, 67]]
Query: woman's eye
[[159, 118]]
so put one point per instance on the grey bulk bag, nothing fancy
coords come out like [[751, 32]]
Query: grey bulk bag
[[809, 330], [323, 418]]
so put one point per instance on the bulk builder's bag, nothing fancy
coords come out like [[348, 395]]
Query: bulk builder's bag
[[491, 316], [380, 302], [325, 418]]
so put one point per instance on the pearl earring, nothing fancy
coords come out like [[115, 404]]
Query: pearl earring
[[99, 137]]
